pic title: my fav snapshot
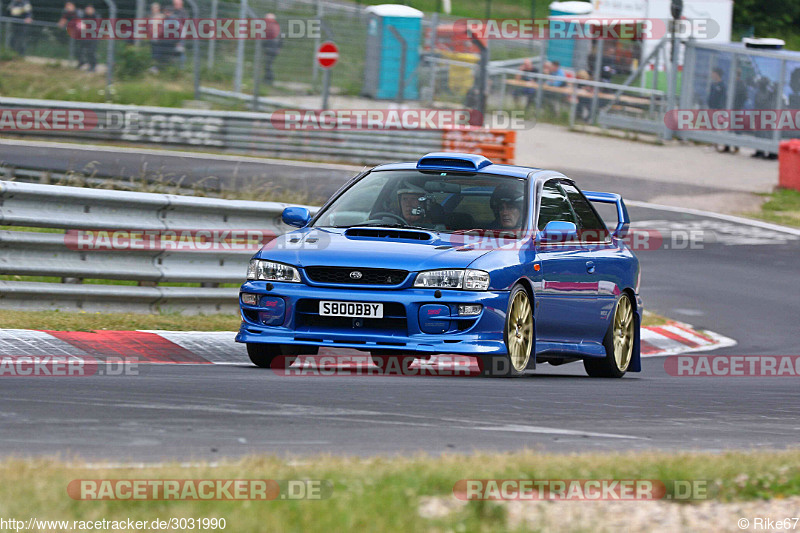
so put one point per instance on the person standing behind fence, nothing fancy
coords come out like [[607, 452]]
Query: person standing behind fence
[[271, 46], [177, 12], [159, 48], [87, 48], [68, 14], [556, 70], [717, 94], [21, 14], [717, 98], [527, 92]]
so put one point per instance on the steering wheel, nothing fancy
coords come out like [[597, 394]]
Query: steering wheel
[[382, 214]]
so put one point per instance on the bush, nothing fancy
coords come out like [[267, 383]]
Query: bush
[[6, 54], [132, 61]]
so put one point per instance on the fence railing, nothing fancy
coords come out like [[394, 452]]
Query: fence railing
[[76, 234], [256, 133]]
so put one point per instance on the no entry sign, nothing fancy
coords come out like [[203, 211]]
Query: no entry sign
[[327, 54]]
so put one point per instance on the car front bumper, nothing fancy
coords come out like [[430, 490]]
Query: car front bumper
[[400, 330]]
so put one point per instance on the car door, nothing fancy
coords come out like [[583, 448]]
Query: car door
[[565, 293], [600, 256]]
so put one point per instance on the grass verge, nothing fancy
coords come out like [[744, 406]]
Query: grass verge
[[782, 207], [386, 493], [70, 321]]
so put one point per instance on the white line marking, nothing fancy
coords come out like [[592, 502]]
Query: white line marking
[[720, 216], [556, 431], [177, 153]]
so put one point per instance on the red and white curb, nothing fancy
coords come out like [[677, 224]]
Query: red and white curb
[[218, 347], [676, 338]]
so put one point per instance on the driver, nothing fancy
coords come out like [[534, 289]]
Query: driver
[[507, 203], [413, 204]]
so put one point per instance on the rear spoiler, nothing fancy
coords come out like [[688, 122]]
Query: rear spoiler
[[622, 212]]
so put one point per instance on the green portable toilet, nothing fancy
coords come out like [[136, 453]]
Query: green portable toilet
[[382, 62], [564, 50]]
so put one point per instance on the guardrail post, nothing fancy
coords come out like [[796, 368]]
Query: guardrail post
[[112, 13], [7, 39], [573, 105], [401, 80], [140, 14], [432, 54], [314, 64], [196, 48], [598, 72], [237, 77], [256, 74], [212, 44], [483, 66]]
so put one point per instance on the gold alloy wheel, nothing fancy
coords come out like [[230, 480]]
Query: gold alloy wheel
[[520, 331], [623, 333]]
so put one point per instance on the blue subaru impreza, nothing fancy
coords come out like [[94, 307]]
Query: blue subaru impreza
[[451, 255]]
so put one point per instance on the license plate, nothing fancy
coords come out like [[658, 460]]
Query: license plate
[[351, 309]]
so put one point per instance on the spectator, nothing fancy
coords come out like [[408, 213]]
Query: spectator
[[716, 93], [765, 98], [717, 98], [794, 85], [68, 15], [556, 70], [585, 95], [158, 46], [271, 46], [21, 14], [178, 13], [527, 92], [740, 93], [87, 48]]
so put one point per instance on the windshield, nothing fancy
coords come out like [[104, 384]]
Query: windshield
[[441, 201]]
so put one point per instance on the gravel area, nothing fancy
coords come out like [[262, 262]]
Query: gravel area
[[635, 516]]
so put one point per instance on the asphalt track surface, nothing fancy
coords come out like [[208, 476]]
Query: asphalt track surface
[[739, 281]]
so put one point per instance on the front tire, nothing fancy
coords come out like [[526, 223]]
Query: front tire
[[262, 355], [618, 343], [518, 336]]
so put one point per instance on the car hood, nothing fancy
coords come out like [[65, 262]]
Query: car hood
[[374, 248]]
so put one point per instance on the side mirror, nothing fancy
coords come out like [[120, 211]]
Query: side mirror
[[296, 216], [558, 231]]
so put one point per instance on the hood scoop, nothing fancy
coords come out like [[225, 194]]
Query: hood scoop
[[388, 233]]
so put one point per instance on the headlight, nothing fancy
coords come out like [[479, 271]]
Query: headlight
[[270, 271], [471, 280]]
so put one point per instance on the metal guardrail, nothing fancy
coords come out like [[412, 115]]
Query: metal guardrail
[[238, 131], [30, 253]]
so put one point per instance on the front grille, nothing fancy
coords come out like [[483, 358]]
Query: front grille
[[369, 276], [309, 320]]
